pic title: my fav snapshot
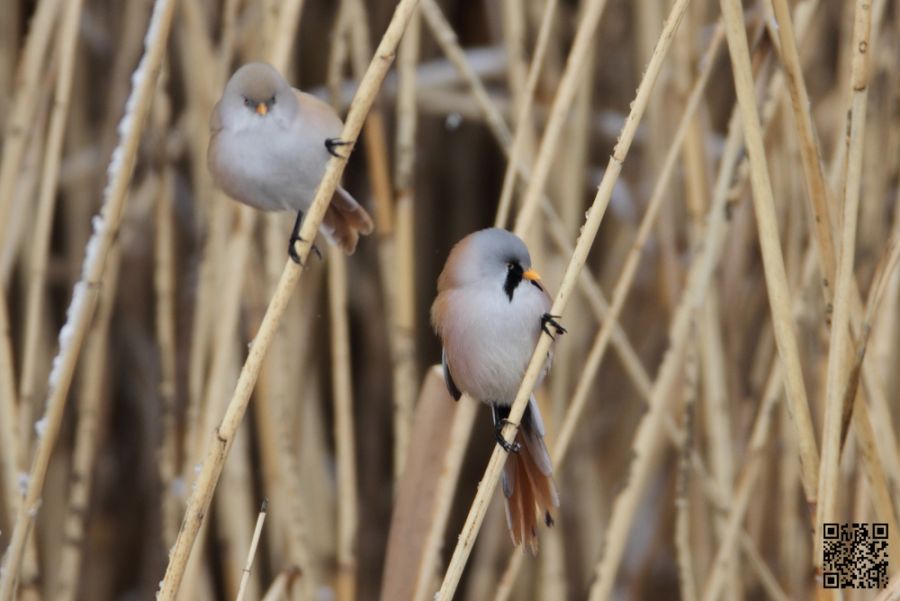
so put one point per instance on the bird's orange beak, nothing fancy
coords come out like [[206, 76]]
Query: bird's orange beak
[[262, 109], [532, 276]]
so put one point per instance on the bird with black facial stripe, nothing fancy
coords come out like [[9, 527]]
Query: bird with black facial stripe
[[490, 310]]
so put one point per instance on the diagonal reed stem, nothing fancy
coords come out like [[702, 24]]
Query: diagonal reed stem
[[576, 263], [773, 260], [219, 446], [87, 290]]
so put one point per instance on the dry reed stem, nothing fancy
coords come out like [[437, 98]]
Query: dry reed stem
[[685, 556], [523, 117], [281, 586], [282, 472], [513, 34], [10, 459], [26, 186], [251, 553], [825, 247], [892, 592], [873, 469], [648, 430], [446, 38], [87, 438], [880, 281], [596, 299], [375, 139], [164, 284], [509, 577], [773, 261], [223, 336], [43, 222], [840, 344], [425, 491], [746, 481], [24, 108], [768, 580], [86, 291], [287, 23], [345, 448], [576, 262], [629, 269], [559, 112], [859, 411], [234, 509], [460, 432], [396, 267], [716, 413], [403, 322], [809, 149], [592, 291], [218, 449]]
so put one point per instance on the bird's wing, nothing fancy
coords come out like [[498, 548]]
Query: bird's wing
[[320, 114], [448, 379]]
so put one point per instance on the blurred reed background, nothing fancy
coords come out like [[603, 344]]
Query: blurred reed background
[[686, 423]]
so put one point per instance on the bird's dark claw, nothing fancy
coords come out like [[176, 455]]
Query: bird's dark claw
[[332, 143], [550, 320], [292, 250], [509, 447], [295, 237]]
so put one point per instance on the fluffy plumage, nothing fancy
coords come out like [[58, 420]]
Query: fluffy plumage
[[267, 149], [488, 314]]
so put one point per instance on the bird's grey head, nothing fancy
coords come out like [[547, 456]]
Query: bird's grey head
[[255, 92], [492, 256]]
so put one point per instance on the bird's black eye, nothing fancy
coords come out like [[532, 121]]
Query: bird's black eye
[[247, 101], [271, 101]]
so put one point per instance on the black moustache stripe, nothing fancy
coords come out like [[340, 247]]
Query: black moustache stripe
[[514, 277]]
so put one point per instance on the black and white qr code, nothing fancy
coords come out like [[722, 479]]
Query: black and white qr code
[[855, 556]]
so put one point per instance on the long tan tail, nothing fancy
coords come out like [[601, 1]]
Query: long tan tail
[[528, 482], [345, 221]]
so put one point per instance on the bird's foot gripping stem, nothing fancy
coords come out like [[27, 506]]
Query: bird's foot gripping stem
[[295, 237], [509, 447], [548, 321], [332, 143]]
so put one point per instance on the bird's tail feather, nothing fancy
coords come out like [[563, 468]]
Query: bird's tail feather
[[345, 220], [527, 482]]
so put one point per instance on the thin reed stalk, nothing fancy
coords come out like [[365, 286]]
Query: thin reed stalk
[[87, 439], [345, 446], [773, 260], [523, 118], [40, 242], [629, 270], [576, 262], [164, 283], [746, 481], [86, 292], [404, 316], [251, 553], [645, 448], [562, 102], [219, 446], [686, 562], [840, 343], [24, 108], [10, 459]]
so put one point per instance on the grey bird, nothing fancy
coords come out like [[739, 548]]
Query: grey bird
[[489, 313], [269, 146]]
